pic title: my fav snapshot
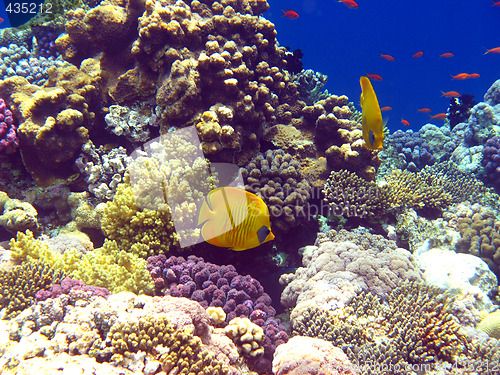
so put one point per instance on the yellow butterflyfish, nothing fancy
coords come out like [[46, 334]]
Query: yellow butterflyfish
[[371, 119], [234, 218]]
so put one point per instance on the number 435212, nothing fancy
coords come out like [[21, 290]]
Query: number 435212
[[28, 8]]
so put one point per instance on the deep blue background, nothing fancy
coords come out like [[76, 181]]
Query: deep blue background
[[345, 43]]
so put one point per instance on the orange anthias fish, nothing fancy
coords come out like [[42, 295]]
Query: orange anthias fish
[[371, 117], [496, 4], [474, 75], [1, 19], [493, 50], [374, 77], [450, 94], [349, 3], [424, 110], [384, 109], [405, 122], [291, 14], [461, 76], [387, 57], [439, 116], [446, 55], [234, 218], [418, 54]]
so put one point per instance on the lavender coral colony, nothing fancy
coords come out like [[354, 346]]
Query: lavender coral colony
[[103, 184]]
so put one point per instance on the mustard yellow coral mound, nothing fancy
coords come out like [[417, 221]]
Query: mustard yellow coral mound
[[143, 232], [108, 266]]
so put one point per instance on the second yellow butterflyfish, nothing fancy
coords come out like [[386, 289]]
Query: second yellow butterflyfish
[[234, 218], [371, 119]]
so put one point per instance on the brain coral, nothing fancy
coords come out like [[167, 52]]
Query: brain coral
[[412, 325], [276, 177], [333, 272]]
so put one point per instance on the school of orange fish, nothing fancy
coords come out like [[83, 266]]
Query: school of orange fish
[[291, 14]]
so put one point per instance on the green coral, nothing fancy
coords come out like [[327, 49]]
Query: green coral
[[143, 232], [412, 326], [108, 266], [184, 352], [19, 285]]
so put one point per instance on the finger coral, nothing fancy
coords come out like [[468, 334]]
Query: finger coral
[[19, 285], [247, 336]]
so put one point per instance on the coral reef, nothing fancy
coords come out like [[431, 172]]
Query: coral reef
[[491, 324], [276, 177], [220, 286], [247, 336], [349, 195], [334, 272], [72, 287], [460, 109], [412, 325], [8, 137], [102, 168], [491, 161], [130, 122], [108, 266], [19, 286], [19, 61], [54, 120], [303, 355], [310, 86], [413, 151], [143, 232], [17, 216]]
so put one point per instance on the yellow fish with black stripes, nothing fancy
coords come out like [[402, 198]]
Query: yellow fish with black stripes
[[234, 218], [371, 118]]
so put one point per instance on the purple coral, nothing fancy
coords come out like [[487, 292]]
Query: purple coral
[[8, 136], [491, 161], [214, 285], [413, 149]]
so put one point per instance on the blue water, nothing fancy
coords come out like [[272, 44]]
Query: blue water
[[345, 43]]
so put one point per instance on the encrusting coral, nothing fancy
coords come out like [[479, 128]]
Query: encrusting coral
[[17, 216], [412, 325], [54, 121], [19, 285]]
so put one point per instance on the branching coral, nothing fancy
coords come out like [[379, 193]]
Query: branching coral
[[412, 326], [19, 285]]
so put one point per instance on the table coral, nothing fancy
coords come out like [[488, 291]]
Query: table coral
[[303, 355], [333, 272], [54, 120], [413, 325], [276, 177], [214, 285]]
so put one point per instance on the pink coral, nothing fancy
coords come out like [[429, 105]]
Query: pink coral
[[310, 356], [8, 136]]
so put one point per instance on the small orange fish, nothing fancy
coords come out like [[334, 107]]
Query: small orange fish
[[1, 19], [387, 57], [439, 116], [493, 50], [418, 54], [349, 3], [290, 14], [474, 75], [446, 55], [450, 94], [461, 76], [424, 110], [496, 4], [387, 108], [374, 77], [405, 122]]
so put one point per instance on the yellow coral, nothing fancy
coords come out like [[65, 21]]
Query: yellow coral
[[491, 324], [247, 336], [217, 314]]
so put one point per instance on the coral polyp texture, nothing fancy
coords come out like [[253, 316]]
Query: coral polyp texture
[[219, 286], [276, 177], [413, 325], [8, 136], [491, 161], [54, 121]]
